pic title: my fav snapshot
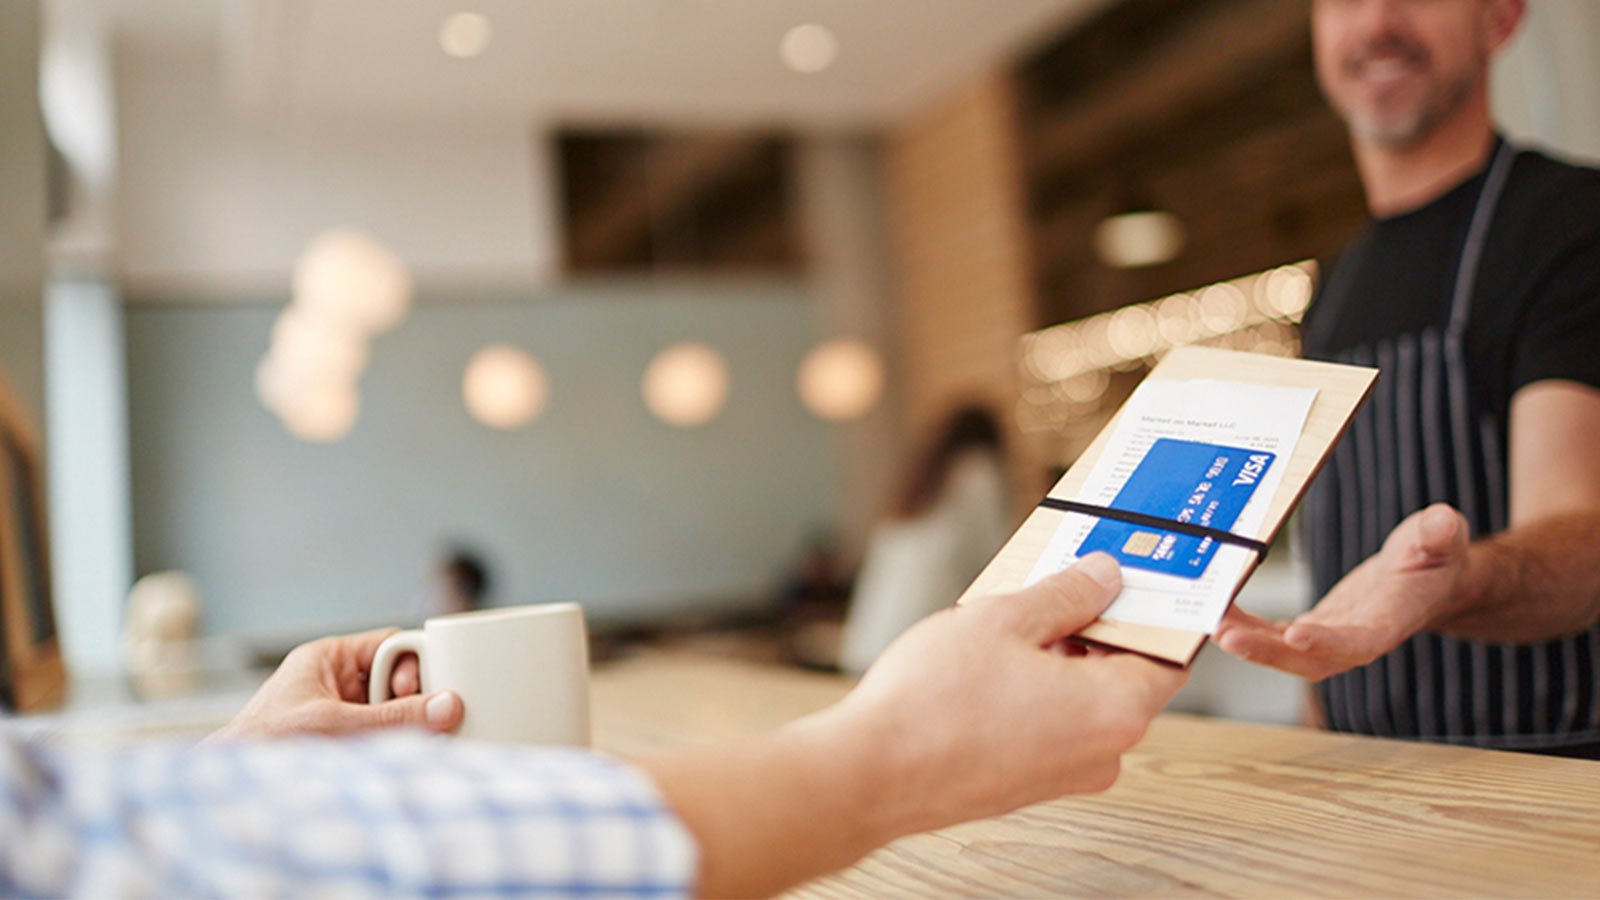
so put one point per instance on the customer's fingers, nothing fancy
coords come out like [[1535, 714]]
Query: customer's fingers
[[362, 647], [407, 677], [1147, 685]]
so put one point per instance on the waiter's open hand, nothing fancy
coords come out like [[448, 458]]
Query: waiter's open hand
[[1394, 594]]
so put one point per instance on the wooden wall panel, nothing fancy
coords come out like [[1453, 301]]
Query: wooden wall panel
[[960, 254]]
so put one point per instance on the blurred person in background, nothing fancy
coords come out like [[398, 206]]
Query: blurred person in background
[[951, 519], [1455, 535], [971, 714], [459, 583]]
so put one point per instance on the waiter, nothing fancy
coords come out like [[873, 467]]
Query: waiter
[[1455, 533]]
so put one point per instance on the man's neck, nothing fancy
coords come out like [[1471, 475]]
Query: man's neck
[[1398, 180]]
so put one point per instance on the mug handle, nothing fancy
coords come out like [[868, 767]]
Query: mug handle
[[383, 663]]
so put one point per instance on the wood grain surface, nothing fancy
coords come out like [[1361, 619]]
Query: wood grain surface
[[1204, 807]]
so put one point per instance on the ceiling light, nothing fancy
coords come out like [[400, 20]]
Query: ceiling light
[[504, 387], [323, 414], [283, 383], [840, 380], [276, 384], [1134, 239], [465, 35], [686, 385], [318, 347], [350, 280], [809, 48]]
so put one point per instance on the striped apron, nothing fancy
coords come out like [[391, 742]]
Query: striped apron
[[1420, 440]]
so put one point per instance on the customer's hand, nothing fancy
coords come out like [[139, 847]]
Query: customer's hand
[[321, 688], [974, 712], [985, 714], [1400, 590]]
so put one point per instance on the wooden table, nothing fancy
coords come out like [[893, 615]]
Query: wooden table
[[1204, 807]]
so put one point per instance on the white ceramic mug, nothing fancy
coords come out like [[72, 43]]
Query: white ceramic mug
[[522, 672]]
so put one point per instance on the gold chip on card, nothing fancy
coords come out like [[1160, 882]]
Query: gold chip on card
[[1141, 543]]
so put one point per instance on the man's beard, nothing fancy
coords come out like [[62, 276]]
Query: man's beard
[[1397, 129]]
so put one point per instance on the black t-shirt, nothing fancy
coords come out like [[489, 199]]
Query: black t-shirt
[[1536, 311], [1435, 430]]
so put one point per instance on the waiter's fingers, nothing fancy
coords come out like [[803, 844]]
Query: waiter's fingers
[[1344, 646], [1236, 619], [1266, 647]]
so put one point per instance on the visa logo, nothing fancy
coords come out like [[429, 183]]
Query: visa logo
[[1250, 473]]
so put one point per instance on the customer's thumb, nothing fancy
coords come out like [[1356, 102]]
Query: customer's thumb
[[1067, 601], [438, 711]]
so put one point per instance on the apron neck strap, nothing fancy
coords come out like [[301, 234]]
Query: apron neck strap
[[1477, 232]]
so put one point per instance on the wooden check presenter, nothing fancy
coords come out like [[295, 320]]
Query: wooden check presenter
[[1340, 391]]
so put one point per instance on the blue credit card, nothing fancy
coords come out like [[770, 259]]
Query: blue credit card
[[1187, 481]]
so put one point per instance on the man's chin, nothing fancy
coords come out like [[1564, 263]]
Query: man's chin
[[1401, 122], [1391, 132]]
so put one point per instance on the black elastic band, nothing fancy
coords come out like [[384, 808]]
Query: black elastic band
[[1136, 518]]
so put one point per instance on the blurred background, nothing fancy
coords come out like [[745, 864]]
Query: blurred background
[[752, 324]]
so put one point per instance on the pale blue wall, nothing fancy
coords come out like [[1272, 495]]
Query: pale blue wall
[[596, 501]]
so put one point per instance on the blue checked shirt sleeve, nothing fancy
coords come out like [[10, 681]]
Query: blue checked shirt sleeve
[[404, 814]]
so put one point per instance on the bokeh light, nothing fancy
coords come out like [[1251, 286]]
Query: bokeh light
[[465, 35], [317, 348], [808, 48], [504, 387], [1136, 239], [840, 380], [323, 413], [686, 385], [349, 279]]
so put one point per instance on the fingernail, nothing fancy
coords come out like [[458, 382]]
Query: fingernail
[[1102, 568], [440, 708]]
